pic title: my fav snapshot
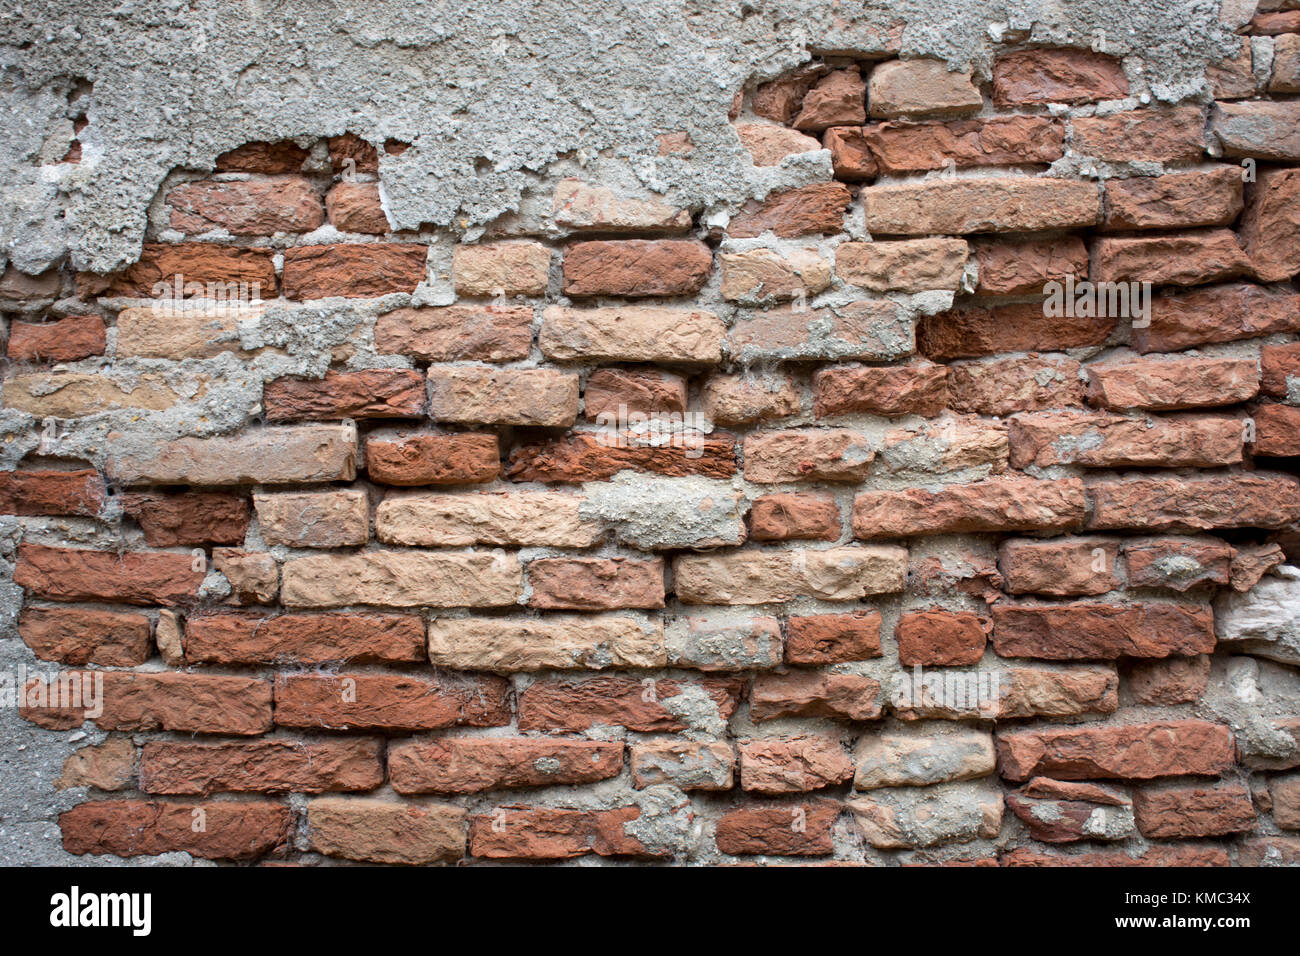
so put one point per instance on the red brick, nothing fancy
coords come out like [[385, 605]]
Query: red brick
[[433, 459], [871, 329], [362, 270], [778, 829], [786, 517], [969, 332], [1269, 229], [200, 262], [51, 492], [793, 765], [385, 831], [80, 636], [1022, 266], [1171, 384], [903, 147], [1277, 430], [372, 393], [833, 638], [449, 333], [392, 702], [584, 456], [76, 574], [636, 267], [816, 694], [780, 99], [1099, 631], [1177, 563], [475, 764], [1193, 811], [1256, 500], [556, 705], [64, 340], [1175, 200], [941, 638], [1161, 856], [999, 504], [818, 208], [590, 584], [284, 156], [851, 157], [615, 392], [1184, 258], [1061, 567], [1168, 682], [546, 833], [304, 638], [1223, 313], [813, 454], [962, 205], [230, 830], [1100, 440], [893, 391], [1174, 135], [188, 519], [1280, 370], [1007, 386], [356, 207], [185, 703], [248, 207], [837, 99], [1027, 77], [1164, 748], [261, 766]]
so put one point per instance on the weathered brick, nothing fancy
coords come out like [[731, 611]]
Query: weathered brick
[[722, 641], [1006, 386], [758, 276], [815, 694], [401, 579], [501, 269], [1016, 266], [595, 583], [903, 147], [1027, 690], [356, 207], [80, 574], [261, 766], [851, 157], [1161, 748], [972, 331], [1169, 681], [837, 99], [362, 270], [636, 267], [778, 829], [1277, 430], [1060, 567], [219, 270], [1257, 500], [1269, 229], [185, 703], [631, 334], [196, 331], [871, 330], [1181, 811], [390, 702], [1175, 135], [580, 207], [922, 755], [919, 389], [1026, 77], [1093, 631], [80, 636], [377, 831], [747, 398], [685, 764], [761, 577], [450, 333], [187, 519], [1101, 440], [467, 458], [81, 394], [1258, 129], [818, 208], [1175, 200], [546, 833], [284, 156], [827, 454], [304, 638], [1162, 384], [478, 395], [64, 340], [107, 766], [475, 764], [998, 504], [559, 642], [254, 576], [231, 831], [833, 638], [372, 393], [518, 520], [1177, 563], [614, 392], [314, 519], [267, 456], [920, 88], [768, 145], [1185, 258], [350, 153], [588, 456], [646, 705], [248, 207], [960, 206], [785, 517], [941, 638], [779, 99], [792, 765], [908, 265], [46, 492], [1280, 370]]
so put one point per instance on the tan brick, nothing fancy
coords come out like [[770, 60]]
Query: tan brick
[[266, 456], [401, 579], [921, 88], [558, 642], [631, 334], [517, 396], [451, 333], [524, 519], [960, 206], [584, 208], [501, 268], [314, 519], [377, 831], [762, 577]]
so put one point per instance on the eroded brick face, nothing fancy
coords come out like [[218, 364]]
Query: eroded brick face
[[850, 517]]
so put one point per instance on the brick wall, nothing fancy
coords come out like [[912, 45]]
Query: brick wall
[[808, 531]]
